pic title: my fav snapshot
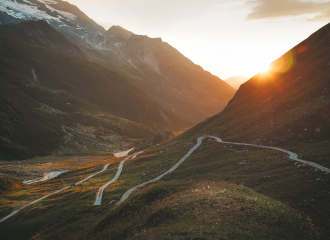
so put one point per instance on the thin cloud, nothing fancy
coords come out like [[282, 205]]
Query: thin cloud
[[324, 16], [286, 8]]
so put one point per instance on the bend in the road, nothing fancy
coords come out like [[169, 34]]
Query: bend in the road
[[293, 156], [125, 196], [120, 168]]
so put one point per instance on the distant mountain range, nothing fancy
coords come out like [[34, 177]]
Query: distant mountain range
[[236, 81]]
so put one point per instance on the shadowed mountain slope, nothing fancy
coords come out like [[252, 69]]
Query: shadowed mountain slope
[[45, 92], [41, 33]]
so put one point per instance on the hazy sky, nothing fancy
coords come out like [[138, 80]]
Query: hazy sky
[[225, 37]]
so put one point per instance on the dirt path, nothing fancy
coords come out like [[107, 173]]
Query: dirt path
[[119, 154], [120, 168], [45, 177], [58, 191], [33, 202]]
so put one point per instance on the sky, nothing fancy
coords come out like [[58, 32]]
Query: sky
[[225, 37]]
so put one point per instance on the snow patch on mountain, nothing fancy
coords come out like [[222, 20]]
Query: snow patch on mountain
[[81, 31], [29, 11], [63, 13]]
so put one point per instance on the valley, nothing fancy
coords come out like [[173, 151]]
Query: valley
[[239, 165], [111, 134]]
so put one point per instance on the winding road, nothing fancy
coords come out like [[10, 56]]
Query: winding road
[[98, 200], [292, 156], [120, 168], [125, 196]]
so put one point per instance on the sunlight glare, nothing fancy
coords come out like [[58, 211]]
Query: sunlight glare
[[264, 68], [254, 68]]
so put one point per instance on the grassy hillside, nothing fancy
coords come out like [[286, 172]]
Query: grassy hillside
[[43, 90], [219, 192], [8, 184]]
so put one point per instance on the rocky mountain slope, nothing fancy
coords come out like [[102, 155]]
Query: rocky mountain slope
[[61, 15], [166, 75], [53, 99], [152, 65]]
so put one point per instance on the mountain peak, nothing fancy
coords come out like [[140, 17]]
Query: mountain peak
[[119, 32], [61, 15]]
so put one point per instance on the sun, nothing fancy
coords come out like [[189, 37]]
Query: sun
[[253, 68], [264, 68]]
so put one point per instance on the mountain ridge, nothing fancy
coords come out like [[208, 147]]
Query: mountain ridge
[[287, 104], [155, 67]]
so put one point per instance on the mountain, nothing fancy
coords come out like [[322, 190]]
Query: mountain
[[236, 81], [161, 71], [53, 99], [166, 75], [184, 188], [42, 33], [61, 15], [121, 34], [289, 108], [289, 104]]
